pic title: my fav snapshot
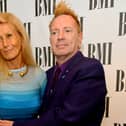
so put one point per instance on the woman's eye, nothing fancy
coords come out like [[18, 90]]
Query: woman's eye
[[1, 39], [9, 35]]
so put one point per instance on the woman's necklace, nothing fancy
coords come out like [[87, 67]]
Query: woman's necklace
[[21, 73]]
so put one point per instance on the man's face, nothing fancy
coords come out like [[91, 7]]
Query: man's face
[[64, 36]]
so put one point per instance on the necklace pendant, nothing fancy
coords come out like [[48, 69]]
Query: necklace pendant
[[10, 74], [22, 74]]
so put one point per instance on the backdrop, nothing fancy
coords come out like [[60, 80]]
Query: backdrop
[[103, 23]]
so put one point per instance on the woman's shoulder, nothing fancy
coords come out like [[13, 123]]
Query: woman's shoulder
[[37, 70]]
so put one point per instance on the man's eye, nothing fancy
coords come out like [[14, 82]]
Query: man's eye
[[53, 33], [68, 30]]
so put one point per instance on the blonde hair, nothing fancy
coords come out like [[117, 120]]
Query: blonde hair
[[63, 9], [26, 47]]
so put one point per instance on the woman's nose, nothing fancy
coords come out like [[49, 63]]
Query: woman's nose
[[5, 42]]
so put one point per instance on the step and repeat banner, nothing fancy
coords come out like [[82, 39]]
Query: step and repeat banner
[[103, 23]]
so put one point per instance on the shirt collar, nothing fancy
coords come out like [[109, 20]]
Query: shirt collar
[[64, 65]]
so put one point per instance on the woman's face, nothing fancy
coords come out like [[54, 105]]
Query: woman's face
[[10, 42]]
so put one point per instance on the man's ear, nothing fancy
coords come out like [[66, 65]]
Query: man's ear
[[80, 39]]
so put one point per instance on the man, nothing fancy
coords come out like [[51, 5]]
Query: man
[[77, 98]]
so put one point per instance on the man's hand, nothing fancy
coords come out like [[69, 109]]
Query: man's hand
[[6, 123]]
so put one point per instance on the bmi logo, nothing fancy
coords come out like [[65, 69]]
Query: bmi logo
[[122, 23], [44, 56], [120, 81], [3, 5], [44, 7], [101, 51], [100, 4]]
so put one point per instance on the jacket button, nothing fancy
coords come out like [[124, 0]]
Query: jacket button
[[51, 91], [63, 76], [38, 116]]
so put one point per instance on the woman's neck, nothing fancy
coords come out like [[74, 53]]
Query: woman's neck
[[15, 64]]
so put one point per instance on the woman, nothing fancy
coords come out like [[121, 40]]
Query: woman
[[22, 83]]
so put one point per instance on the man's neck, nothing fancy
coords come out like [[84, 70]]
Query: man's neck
[[62, 59]]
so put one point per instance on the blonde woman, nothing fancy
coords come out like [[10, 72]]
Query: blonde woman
[[22, 82]]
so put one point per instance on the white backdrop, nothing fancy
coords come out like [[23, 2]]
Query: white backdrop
[[104, 37]]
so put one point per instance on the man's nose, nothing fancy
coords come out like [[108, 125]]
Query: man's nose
[[61, 35]]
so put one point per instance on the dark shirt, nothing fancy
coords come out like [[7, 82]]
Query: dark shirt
[[64, 65]]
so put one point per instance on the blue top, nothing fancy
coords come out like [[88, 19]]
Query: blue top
[[21, 97]]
